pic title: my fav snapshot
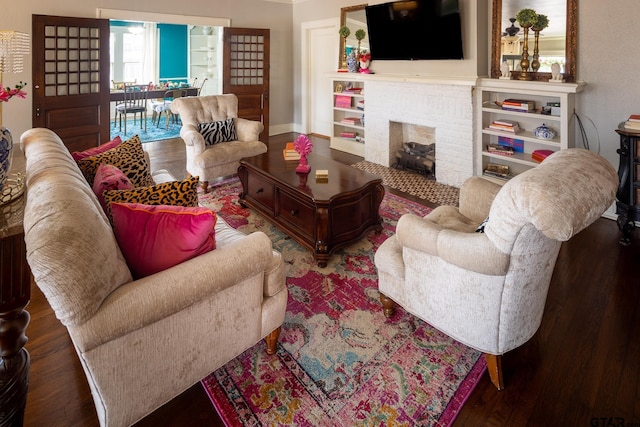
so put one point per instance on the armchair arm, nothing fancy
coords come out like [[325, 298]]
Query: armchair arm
[[476, 196], [150, 299], [248, 130], [189, 133], [471, 251]]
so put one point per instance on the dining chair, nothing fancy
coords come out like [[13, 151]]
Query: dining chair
[[162, 106], [134, 102]]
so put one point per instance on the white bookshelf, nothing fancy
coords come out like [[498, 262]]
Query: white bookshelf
[[339, 88]]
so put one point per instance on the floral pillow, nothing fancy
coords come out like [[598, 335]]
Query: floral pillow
[[220, 131]]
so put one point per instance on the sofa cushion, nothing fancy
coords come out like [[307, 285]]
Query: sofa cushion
[[175, 193], [109, 177], [128, 157], [219, 131], [79, 155], [154, 238]]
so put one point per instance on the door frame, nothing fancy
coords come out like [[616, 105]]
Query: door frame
[[306, 31], [164, 18]]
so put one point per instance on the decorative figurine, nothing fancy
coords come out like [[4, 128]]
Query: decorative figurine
[[303, 146], [365, 60], [505, 71], [556, 77]]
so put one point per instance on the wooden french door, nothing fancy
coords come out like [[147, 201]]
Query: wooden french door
[[71, 79], [246, 73]]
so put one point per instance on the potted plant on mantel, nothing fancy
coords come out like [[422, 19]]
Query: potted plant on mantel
[[541, 23], [526, 18]]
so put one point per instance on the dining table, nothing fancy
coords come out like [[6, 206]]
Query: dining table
[[118, 95]]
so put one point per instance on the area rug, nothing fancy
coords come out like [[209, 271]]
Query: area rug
[[340, 362], [413, 183], [152, 133]]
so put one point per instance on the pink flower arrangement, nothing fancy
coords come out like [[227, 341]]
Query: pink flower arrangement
[[365, 57], [7, 93]]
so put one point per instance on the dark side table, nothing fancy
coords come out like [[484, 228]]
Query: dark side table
[[628, 195], [15, 292]]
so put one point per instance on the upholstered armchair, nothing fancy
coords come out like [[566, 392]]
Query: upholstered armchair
[[210, 160], [488, 289]]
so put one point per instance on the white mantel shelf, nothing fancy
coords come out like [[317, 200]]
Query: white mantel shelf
[[528, 86], [409, 78]]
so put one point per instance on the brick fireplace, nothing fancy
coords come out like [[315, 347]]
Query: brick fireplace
[[444, 106]]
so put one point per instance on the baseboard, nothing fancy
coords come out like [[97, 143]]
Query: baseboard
[[280, 129]]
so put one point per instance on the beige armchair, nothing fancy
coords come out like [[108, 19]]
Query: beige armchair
[[488, 289], [214, 161]]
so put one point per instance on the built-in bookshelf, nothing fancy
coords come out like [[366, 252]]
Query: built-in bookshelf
[[348, 114], [553, 106], [204, 57]]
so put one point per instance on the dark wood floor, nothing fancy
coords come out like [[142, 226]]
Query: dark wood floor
[[582, 368]]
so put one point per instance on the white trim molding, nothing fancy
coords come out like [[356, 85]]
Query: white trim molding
[[128, 15]]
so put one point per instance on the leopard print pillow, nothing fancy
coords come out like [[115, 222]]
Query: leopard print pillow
[[175, 193], [128, 156]]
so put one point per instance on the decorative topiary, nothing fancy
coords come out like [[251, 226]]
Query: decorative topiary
[[527, 17], [541, 23], [360, 34], [344, 31]]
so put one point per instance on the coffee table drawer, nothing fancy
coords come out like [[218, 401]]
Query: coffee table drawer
[[261, 191], [297, 213]]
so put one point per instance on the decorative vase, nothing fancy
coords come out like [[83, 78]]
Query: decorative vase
[[544, 132], [352, 62], [6, 153], [303, 166]]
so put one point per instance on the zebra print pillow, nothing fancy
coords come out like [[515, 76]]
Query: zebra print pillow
[[215, 132]]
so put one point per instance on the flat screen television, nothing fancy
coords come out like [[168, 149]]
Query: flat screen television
[[415, 30]]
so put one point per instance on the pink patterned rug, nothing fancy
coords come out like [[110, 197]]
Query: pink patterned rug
[[340, 362]]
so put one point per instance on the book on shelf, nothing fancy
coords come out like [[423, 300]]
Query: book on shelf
[[518, 104], [634, 118], [351, 120], [349, 135], [516, 144], [503, 150], [500, 171], [353, 90], [360, 104], [343, 101], [289, 152], [540, 155], [505, 126]]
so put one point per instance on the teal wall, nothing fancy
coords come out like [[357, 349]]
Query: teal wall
[[173, 52]]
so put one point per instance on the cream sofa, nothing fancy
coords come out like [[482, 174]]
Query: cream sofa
[[141, 342], [209, 162]]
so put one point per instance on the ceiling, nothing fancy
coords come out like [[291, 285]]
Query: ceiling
[[554, 9]]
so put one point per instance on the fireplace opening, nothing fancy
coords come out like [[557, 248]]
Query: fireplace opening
[[413, 147], [420, 158]]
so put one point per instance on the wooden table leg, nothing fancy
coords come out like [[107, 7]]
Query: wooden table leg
[[15, 292]]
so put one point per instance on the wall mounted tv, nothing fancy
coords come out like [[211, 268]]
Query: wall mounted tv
[[414, 30]]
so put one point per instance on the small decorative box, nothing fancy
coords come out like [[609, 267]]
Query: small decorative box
[[343, 101]]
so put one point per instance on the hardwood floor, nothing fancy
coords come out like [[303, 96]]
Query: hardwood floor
[[582, 368]]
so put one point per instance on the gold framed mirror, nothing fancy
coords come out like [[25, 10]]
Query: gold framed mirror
[[500, 21], [353, 17]]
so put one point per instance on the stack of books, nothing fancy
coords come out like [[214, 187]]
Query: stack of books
[[348, 135], [351, 121], [322, 175], [354, 90], [497, 171], [516, 144], [289, 152], [633, 123], [522, 105], [505, 126], [503, 150], [540, 155]]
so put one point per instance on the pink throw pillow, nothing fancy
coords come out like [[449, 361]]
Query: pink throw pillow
[[154, 238], [109, 177], [79, 155]]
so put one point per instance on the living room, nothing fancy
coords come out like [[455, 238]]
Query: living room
[[602, 104]]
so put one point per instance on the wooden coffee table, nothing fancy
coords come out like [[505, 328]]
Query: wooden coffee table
[[322, 216]]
